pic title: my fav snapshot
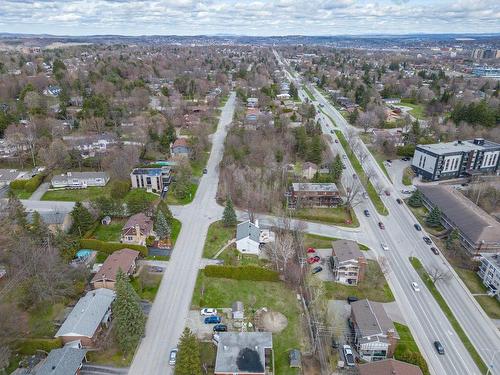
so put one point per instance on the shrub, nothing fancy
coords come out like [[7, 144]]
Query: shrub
[[18, 184], [249, 272], [33, 183], [110, 247], [119, 189], [30, 346]]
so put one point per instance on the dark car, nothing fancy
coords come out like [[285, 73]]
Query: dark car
[[336, 141], [417, 227], [439, 347], [381, 225], [212, 319], [427, 240], [399, 201], [220, 328], [434, 250], [335, 344], [351, 299], [387, 192], [205, 171], [406, 158], [367, 213], [317, 270]]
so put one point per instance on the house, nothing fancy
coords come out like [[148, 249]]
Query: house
[[80, 180], [252, 102], [155, 179], [52, 90], [441, 161], [375, 337], [244, 353], [65, 361], [238, 311], [252, 114], [313, 195], [137, 229], [55, 220], [250, 237], [347, 262], [124, 259], [389, 367], [309, 170], [9, 175], [477, 230], [180, 148], [90, 314], [390, 101], [283, 96], [489, 272]]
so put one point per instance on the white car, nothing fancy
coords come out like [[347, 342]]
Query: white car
[[349, 357], [415, 286], [344, 156], [208, 312], [173, 357], [384, 247]]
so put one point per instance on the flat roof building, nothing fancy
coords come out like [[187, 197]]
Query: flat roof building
[[313, 195], [155, 179]]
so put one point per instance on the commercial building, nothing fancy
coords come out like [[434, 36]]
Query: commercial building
[[489, 272], [155, 179], [80, 180], [313, 195], [441, 161], [347, 262], [478, 232]]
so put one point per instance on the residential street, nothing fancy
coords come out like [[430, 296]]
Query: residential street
[[170, 309]]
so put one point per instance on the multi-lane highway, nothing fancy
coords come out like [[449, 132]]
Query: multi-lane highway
[[424, 316]]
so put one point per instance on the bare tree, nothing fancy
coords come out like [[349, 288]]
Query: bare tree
[[282, 250], [362, 154], [352, 188], [438, 274], [384, 265], [367, 120]]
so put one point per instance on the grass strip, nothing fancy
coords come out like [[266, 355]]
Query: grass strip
[[308, 92]]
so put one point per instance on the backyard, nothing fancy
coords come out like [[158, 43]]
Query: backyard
[[109, 232], [334, 215], [276, 296]]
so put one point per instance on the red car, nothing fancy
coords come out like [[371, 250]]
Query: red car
[[381, 225], [311, 250], [313, 259]]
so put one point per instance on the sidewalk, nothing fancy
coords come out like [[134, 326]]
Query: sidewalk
[[38, 194]]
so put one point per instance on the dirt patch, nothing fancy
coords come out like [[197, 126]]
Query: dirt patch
[[310, 365], [273, 321]]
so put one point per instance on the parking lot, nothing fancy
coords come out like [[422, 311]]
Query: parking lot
[[195, 322]]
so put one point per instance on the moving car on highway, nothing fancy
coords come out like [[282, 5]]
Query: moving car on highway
[[415, 286]]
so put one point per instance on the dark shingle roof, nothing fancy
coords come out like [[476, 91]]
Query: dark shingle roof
[[64, 361]]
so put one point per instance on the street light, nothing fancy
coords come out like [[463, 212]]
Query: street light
[[490, 365]]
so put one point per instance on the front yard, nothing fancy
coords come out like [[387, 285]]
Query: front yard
[[335, 215], [218, 292], [218, 235], [374, 287], [74, 195], [172, 199]]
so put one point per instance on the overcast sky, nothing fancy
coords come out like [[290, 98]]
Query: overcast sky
[[278, 17]]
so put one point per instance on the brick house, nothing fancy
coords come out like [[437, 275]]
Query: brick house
[[124, 259]]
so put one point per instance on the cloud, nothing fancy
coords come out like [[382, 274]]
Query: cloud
[[256, 17]]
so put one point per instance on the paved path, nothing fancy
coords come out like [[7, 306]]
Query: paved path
[[39, 192], [170, 309]]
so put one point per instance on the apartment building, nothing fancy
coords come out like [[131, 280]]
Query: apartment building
[[155, 179], [313, 195], [347, 262], [489, 272]]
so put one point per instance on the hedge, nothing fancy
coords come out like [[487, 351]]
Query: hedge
[[248, 272], [110, 247], [30, 346], [18, 184], [28, 185]]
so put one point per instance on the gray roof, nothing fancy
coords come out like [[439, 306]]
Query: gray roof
[[493, 260], [299, 186], [346, 250], [468, 218], [80, 176], [248, 229], [242, 352], [371, 320], [50, 217], [458, 146], [64, 361], [8, 175], [87, 314]]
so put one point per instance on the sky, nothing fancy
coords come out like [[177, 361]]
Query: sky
[[259, 17]]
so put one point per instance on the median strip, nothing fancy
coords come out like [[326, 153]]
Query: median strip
[[449, 314], [372, 193]]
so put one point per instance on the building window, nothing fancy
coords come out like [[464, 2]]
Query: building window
[[447, 164]]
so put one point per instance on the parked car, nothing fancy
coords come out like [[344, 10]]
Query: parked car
[[406, 158], [349, 357], [415, 286], [220, 328], [367, 213], [381, 225], [317, 270], [351, 299], [311, 250], [384, 247], [427, 240], [399, 201], [387, 192], [439, 347], [417, 227], [212, 319], [434, 250], [406, 191], [313, 259], [336, 141], [205, 170], [335, 344], [365, 195], [172, 357], [389, 161], [344, 156], [208, 312]]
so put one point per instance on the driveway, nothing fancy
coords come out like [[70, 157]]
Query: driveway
[[38, 194]]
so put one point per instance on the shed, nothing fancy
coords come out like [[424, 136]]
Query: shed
[[106, 220], [238, 310], [295, 360]]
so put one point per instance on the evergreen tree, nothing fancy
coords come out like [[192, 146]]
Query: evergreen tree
[[433, 219], [337, 168], [453, 241], [82, 219], [229, 216], [416, 199], [188, 358], [15, 210], [315, 150], [293, 92], [129, 319], [162, 228]]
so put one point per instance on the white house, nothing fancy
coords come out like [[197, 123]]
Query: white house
[[249, 237], [80, 179]]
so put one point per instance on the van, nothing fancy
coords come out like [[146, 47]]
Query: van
[[212, 319]]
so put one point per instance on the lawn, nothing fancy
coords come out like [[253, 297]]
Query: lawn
[[449, 314], [330, 117], [208, 353], [172, 199], [380, 158], [323, 242], [374, 287], [254, 295], [218, 235], [74, 195], [198, 165], [232, 257], [41, 320], [21, 194], [175, 226], [407, 347], [372, 193], [334, 215], [417, 111], [408, 175], [146, 285], [109, 232], [110, 356]]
